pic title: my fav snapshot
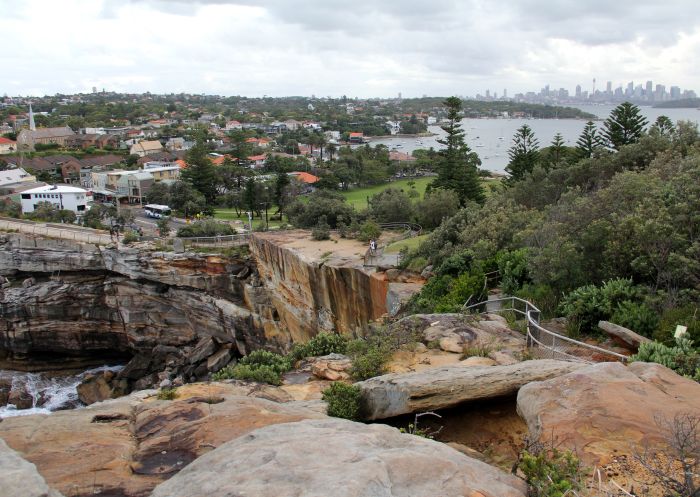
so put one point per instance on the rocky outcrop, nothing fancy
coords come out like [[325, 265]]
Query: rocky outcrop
[[19, 477], [395, 394], [623, 336], [129, 445], [170, 312], [458, 332], [317, 458], [608, 409], [316, 292]]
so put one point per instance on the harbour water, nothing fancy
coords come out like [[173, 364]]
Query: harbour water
[[49, 392], [491, 138]]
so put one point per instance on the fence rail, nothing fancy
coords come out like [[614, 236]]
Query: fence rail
[[85, 235], [216, 241], [544, 343]]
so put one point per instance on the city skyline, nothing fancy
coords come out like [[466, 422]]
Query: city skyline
[[256, 48]]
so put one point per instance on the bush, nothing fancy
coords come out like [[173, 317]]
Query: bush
[[513, 270], [688, 316], [321, 231], [436, 206], [637, 317], [322, 344], [261, 374], [305, 214], [368, 231], [391, 206], [167, 393], [585, 306], [343, 400], [683, 358], [130, 236], [207, 227], [543, 296], [260, 365], [551, 473]]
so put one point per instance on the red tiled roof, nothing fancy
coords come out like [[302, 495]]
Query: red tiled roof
[[356, 134], [6, 141], [305, 177], [400, 156], [257, 157]]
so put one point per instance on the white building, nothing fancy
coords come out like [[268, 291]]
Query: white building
[[12, 176], [63, 197]]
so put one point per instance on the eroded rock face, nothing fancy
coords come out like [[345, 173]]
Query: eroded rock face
[[317, 458], [395, 394], [607, 409], [129, 445], [313, 293]]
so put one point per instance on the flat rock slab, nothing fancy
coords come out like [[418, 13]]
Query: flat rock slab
[[608, 409], [395, 394], [320, 458], [20, 477]]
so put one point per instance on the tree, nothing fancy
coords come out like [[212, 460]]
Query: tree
[[458, 165], [201, 173], [163, 226], [281, 183], [331, 149], [436, 206], [589, 141], [664, 126], [557, 147], [625, 125], [523, 154], [250, 196], [391, 206]]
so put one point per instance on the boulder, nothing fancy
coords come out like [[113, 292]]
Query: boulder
[[19, 477], [477, 361], [333, 367], [453, 343], [94, 388], [219, 359], [623, 336], [607, 408], [318, 458], [394, 394], [127, 446]]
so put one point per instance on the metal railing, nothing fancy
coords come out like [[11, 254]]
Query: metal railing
[[77, 234], [544, 343], [216, 241]]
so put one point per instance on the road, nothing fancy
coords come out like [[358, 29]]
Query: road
[[149, 224]]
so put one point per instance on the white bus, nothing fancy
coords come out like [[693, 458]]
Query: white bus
[[156, 211]]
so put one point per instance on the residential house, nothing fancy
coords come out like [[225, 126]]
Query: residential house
[[135, 186], [394, 127], [332, 136], [63, 197], [177, 143], [292, 125], [146, 147], [7, 146], [28, 139], [257, 161], [395, 156], [232, 125], [306, 180], [356, 137], [12, 176], [259, 142]]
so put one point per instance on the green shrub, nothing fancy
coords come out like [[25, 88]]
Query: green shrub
[[260, 365], [683, 358], [476, 351], [368, 365], [552, 473], [637, 317], [321, 231], [322, 344], [688, 316], [343, 400], [130, 237], [543, 296], [585, 306], [417, 264], [261, 374], [368, 231], [513, 270], [207, 227], [448, 294], [167, 393]]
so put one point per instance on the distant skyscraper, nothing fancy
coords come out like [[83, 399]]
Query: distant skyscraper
[[675, 92], [649, 90], [505, 93], [608, 88], [488, 94], [578, 91]]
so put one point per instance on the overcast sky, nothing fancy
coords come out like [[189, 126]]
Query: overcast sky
[[358, 48]]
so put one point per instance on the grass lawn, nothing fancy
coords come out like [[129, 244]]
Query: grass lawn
[[230, 215], [410, 243], [358, 197]]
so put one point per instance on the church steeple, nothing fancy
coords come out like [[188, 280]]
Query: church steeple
[[32, 125]]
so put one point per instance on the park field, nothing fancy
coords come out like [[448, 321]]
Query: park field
[[357, 197]]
